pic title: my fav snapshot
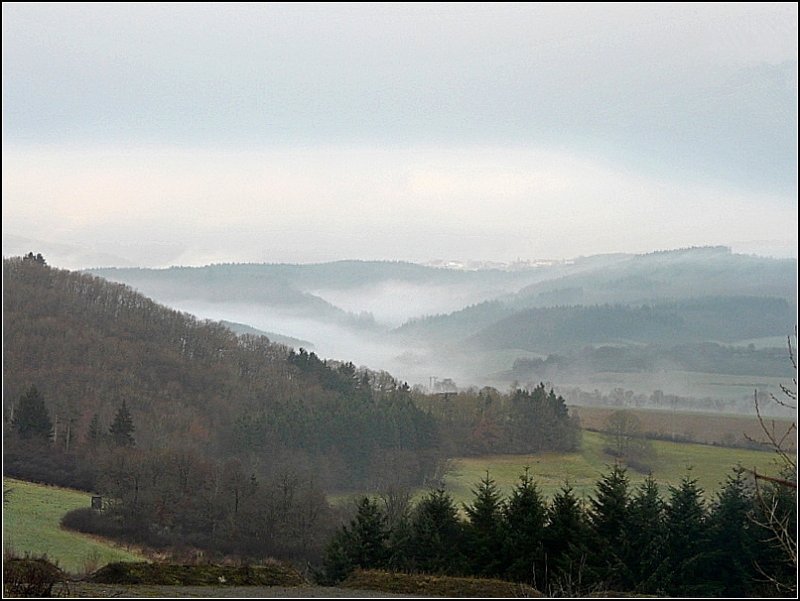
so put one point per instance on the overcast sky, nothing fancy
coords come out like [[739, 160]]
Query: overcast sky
[[188, 134]]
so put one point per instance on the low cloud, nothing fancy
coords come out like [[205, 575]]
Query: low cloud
[[160, 206]]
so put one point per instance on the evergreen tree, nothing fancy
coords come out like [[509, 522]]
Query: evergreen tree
[[401, 540], [361, 545], [368, 536], [608, 518], [565, 544], [436, 536], [95, 432], [122, 428], [733, 542], [37, 258], [484, 532], [336, 565], [647, 536], [31, 419], [524, 521], [686, 540]]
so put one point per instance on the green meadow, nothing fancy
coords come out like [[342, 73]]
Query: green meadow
[[708, 464], [31, 524]]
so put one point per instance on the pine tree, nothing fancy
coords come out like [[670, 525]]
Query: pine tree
[[436, 536], [686, 540], [484, 533], [336, 565], [361, 545], [31, 419], [122, 428], [565, 544], [733, 542], [95, 432], [647, 536], [368, 536], [608, 517], [524, 522]]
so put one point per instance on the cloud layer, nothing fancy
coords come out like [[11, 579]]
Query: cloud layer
[[265, 131]]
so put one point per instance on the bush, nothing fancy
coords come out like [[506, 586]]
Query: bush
[[271, 574], [31, 577], [425, 585]]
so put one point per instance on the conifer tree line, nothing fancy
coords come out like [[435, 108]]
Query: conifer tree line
[[623, 538]]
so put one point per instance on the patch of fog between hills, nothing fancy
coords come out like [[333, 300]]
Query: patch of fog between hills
[[414, 365], [393, 302]]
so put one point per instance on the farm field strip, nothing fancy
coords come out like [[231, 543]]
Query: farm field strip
[[709, 464], [702, 427]]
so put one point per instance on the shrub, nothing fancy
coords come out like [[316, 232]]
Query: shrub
[[31, 577], [271, 574]]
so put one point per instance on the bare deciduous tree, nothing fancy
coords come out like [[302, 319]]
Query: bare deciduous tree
[[772, 493]]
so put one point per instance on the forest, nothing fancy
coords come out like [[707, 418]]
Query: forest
[[199, 434]]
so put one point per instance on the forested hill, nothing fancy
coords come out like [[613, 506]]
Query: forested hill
[[88, 345], [707, 282], [726, 319]]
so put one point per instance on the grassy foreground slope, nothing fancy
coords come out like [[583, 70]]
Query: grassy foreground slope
[[709, 465], [31, 524]]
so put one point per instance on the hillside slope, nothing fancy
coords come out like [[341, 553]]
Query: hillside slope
[[89, 345]]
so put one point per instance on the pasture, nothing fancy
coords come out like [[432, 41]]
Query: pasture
[[694, 426], [31, 524], [708, 464]]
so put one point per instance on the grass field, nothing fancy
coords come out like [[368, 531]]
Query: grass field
[[709, 465], [31, 525], [695, 426]]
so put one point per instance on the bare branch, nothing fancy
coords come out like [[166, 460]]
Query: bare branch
[[781, 481]]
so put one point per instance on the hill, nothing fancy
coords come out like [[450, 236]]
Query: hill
[[725, 319], [668, 275], [470, 325], [241, 328], [89, 345], [704, 276]]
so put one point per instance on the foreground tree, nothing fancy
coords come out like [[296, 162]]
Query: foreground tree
[[775, 515], [608, 517], [484, 533], [565, 542], [647, 536], [436, 540], [686, 541], [31, 419], [362, 544], [733, 541], [525, 517]]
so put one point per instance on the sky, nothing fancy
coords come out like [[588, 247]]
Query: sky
[[187, 134]]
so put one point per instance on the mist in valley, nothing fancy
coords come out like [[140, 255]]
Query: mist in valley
[[599, 329]]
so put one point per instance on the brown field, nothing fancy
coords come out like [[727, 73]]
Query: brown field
[[705, 428]]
